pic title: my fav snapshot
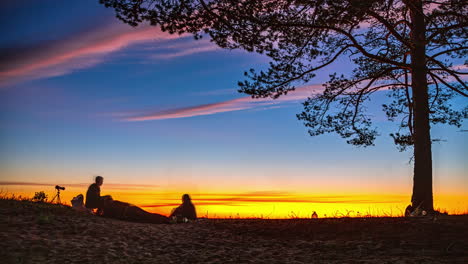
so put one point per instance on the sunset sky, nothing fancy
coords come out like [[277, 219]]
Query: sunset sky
[[158, 115]]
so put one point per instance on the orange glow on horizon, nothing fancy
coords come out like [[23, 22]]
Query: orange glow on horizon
[[261, 204]]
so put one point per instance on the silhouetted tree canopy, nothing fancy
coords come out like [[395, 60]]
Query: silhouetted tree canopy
[[408, 47]]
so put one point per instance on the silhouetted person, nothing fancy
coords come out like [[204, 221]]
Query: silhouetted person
[[409, 209], [125, 211], [93, 195], [186, 209], [78, 203]]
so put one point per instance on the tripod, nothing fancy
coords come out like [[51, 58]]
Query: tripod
[[58, 197]]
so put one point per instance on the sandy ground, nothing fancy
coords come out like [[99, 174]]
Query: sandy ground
[[42, 233]]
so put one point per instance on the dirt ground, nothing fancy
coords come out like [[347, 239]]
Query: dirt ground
[[44, 233]]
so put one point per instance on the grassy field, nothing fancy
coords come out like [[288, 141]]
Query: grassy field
[[44, 233]]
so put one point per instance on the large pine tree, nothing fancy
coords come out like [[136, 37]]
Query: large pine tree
[[406, 46]]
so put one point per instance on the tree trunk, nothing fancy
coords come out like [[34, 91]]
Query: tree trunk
[[422, 182]]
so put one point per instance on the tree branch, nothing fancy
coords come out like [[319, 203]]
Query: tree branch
[[410, 105], [439, 31], [448, 71], [311, 70], [350, 37], [448, 85], [437, 91], [391, 28], [448, 51]]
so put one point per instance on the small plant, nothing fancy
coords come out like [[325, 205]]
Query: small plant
[[43, 219], [40, 197], [293, 215]]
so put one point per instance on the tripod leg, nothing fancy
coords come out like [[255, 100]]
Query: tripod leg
[[52, 201]]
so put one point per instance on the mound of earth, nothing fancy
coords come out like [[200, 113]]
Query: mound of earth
[[45, 233]]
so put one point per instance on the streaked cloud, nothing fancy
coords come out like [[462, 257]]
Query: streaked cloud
[[174, 204], [84, 185], [243, 199], [78, 51], [185, 49], [238, 104]]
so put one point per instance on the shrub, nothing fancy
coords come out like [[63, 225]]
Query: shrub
[[40, 197]]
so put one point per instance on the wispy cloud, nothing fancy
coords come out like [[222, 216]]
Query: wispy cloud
[[238, 104], [84, 185], [185, 49], [242, 199], [79, 50]]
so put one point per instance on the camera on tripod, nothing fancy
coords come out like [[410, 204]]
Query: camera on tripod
[[57, 196]]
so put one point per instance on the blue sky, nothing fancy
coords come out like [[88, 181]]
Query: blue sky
[[75, 75]]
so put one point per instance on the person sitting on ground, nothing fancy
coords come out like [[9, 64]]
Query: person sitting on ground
[[128, 212], [185, 210], [78, 204], [93, 195]]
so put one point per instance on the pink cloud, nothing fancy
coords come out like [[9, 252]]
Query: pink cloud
[[84, 185], [81, 50], [186, 52], [185, 49], [242, 103], [244, 199]]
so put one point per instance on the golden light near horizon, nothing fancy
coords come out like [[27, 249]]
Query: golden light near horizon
[[93, 95], [272, 205], [219, 131]]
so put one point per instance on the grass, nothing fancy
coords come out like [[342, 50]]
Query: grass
[[41, 232], [370, 213], [44, 212]]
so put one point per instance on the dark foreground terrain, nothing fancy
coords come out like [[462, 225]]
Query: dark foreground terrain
[[44, 233]]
